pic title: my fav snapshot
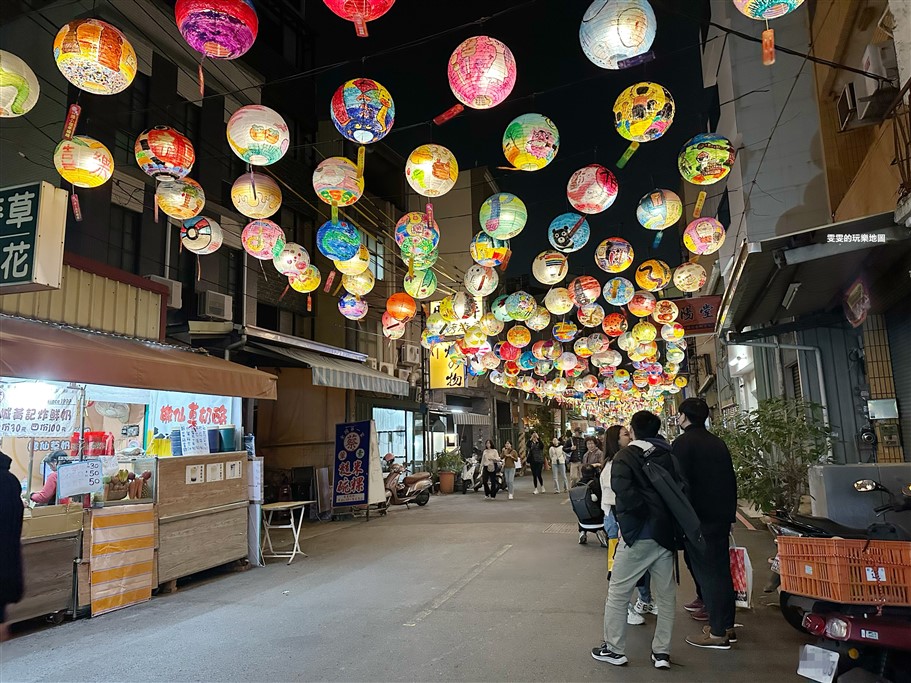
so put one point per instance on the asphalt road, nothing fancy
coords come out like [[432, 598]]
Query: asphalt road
[[461, 590]]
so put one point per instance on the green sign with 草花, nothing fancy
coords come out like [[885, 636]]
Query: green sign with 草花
[[32, 225]]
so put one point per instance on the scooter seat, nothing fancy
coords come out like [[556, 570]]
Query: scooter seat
[[415, 478], [830, 527]]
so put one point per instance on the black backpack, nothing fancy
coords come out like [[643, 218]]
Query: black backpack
[[580, 496], [673, 494]]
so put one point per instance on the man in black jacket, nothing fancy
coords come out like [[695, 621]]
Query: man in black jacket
[[11, 584], [649, 541], [706, 464]]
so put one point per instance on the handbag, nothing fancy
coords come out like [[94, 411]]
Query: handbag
[[741, 575]]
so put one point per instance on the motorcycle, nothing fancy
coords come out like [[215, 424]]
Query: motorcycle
[[403, 488], [472, 476], [872, 641]]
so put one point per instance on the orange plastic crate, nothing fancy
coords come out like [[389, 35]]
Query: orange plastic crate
[[846, 571]]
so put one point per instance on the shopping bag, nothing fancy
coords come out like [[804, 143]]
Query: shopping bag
[[742, 576]]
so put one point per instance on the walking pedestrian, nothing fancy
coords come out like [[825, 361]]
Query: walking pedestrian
[[558, 465], [706, 464], [11, 582], [490, 461], [593, 454], [648, 542], [536, 461], [510, 458]]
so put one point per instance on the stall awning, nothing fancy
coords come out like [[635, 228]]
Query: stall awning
[[38, 350], [470, 419], [341, 373]]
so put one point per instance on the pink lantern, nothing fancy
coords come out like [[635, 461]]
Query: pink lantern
[[482, 73], [359, 11], [263, 239], [592, 189]]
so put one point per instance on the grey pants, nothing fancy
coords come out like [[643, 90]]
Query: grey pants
[[630, 563]]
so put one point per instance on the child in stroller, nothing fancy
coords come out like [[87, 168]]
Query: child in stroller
[[585, 498]]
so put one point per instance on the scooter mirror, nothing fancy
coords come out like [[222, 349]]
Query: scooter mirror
[[866, 485], [906, 490]]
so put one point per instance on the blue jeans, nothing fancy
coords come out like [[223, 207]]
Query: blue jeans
[[510, 474], [559, 470], [611, 528]]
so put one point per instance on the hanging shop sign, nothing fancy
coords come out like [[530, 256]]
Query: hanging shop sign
[[170, 410], [699, 314], [445, 373], [38, 410], [352, 463], [32, 229]]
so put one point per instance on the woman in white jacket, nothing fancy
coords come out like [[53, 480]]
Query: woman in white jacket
[[558, 465]]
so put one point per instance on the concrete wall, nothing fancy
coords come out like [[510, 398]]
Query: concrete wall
[[901, 11]]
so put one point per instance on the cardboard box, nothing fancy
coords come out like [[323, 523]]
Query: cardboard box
[[51, 519]]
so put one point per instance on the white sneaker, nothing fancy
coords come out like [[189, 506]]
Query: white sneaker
[[535, 491], [645, 607], [510, 496], [543, 490], [632, 618]]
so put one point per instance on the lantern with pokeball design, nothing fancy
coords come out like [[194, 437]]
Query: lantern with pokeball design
[[431, 170], [95, 56], [616, 30], [201, 235], [592, 189], [359, 11], [218, 29], [531, 142], [163, 153], [362, 110], [643, 112], [503, 216]]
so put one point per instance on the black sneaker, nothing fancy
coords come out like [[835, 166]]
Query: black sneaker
[[602, 654], [662, 661]]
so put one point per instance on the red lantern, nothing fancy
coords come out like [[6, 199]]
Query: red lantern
[[359, 11], [401, 306]]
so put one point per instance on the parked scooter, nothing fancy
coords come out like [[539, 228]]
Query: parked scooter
[[403, 488], [873, 641]]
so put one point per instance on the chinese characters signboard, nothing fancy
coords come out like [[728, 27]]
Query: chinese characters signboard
[[37, 410], [32, 227], [352, 463], [445, 373], [79, 477], [699, 314], [169, 410]]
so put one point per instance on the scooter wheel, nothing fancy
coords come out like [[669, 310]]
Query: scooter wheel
[[423, 498]]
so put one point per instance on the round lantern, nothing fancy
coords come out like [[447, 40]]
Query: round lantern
[[614, 324], [644, 332], [615, 30], [681, 381], [435, 322], [503, 216], [592, 189], [675, 354], [672, 332], [262, 239], [95, 56], [618, 291], [420, 261], [416, 234], [703, 236], [293, 260], [201, 235], [487, 251], [552, 349], [506, 351], [163, 153], [642, 304], [421, 285], [306, 282], [643, 112], [482, 72], [689, 277], [653, 275], [550, 267], [666, 311], [491, 325], [706, 159], [763, 10], [458, 307], [584, 290], [362, 110], [359, 11], [20, 89], [614, 255], [659, 209], [336, 181], [539, 319], [181, 199], [85, 162], [394, 332], [339, 241], [590, 315], [356, 265], [401, 306], [431, 170], [481, 280], [361, 285], [475, 336], [531, 142], [568, 232], [521, 305], [597, 342], [558, 301], [498, 308], [621, 376], [580, 348], [256, 195], [626, 342], [519, 336], [258, 135], [567, 361], [218, 29], [353, 307]]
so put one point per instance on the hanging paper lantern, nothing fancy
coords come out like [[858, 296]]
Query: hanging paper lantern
[[356, 265], [416, 234], [361, 285], [590, 315], [689, 277], [584, 290], [659, 209], [626, 342], [552, 349], [580, 348], [503, 216], [615, 30], [394, 332], [644, 332], [507, 351], [491, 325], [258, 135], [706, 159], [359, 11], [498, 308], [481, 280], [307, 281], [521, 305], [653, 275], [218, 29], [703, 236], [681, 381], [643, 112], [519, 336], [201, 235], [95, 56], [487, 251], [262, 239], [422, 284], [420, 261], [401, 306], [539, 319], [597, 342], [181, 199], [85, 162], [292, 260], [459, 307], [434, 322], [672, 332], [642, 304], [531, 142], [550, 267], [621, 376], [543, 367], [475, 336], [614, 255], [567, 360], [431, 170], [618, 291], [338, 241], [592, 189], [482, 72], [256, 195], [353, 307], [666, 311], [163, 153], [19, 87], [362, 110], [558, 301], [763, 10], [336, 181], [568, 232], [674, 353]]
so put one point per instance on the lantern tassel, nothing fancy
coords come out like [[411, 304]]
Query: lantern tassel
[[700, 202], [201, 77], [74, 205], [627, 155], [252, 181], [361, 151], [284, 291], [155, 203], [72, 120], [338, 288], [334, 213], [329, 280], [360, 26], [657, 239], [198, 269], [429, 210], [411, 266], [309, 303], [768, 46], [449, 114]]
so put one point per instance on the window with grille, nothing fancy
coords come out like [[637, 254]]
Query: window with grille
[[377, 251]]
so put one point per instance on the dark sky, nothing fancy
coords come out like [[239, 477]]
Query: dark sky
[[554, 78]]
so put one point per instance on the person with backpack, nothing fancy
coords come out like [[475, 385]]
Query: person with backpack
[[707, 467], [649, 539]]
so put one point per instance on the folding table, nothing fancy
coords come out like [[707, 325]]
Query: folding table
[[289, 506]]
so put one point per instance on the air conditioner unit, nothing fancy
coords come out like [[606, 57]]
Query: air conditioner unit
[[216, 306], [388, 368], [410, 355], [404, 374], [372, 363], [175, 289]]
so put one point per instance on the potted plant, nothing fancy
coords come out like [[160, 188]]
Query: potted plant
[[447, 464]]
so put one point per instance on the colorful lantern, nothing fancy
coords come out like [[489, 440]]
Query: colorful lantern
[[653, 275], [458, 308], [491, 325], [590, 315], [531, 142], [565, 331], [539, 319], [642, 304], [592, 189], [644, 332], [19, 87], [584, 290], [567, 360], [401, 306], [568, 232], [356, 265], [416, 234], [672, 332], [353, 307], [85, 162], [706, 159], [218, 29], [338, 241], [659, 209], [306, 282], [703, 236], [420, 261], [292, 260], [487, 251], [614, 255], [481, 280], [581, 349], [258, 135], [558, 301], [95, 56], [643, 112], [503, 216], [421, 285], [362, 110], [498, 309], [361, 285], [482, 72], [689, 277], [256, 195], [434, 323], [550, 267], [618, 291], [163, 153], [666, 311], [616, 30], [521, 305], [519, 336], [359, 11], [763, 10], [431, 170], [181, 199], [201, 235], [262, 239], [614, 325], [394, 332], [507, 351], [336, 181]]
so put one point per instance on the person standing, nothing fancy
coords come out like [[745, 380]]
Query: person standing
[[11, 581], [536, 461], [510, 458], [593, 454], [558, 465], [648, 542], [490, 460], [573, 449], [48, 493], [706, 464]]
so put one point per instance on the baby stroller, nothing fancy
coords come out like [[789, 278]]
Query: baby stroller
[[585, 498]]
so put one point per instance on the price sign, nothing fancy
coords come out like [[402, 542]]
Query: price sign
[[79, 477]]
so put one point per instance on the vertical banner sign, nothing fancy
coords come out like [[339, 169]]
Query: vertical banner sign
[[444, 372], [38, 410], [352, 460]]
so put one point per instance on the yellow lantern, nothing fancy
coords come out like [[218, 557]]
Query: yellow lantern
[[644, 332], [83, 161], [356, 265], [431, 170], [95, 56], [681, 381], [359, 285], [181, 199], [256, 195]]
